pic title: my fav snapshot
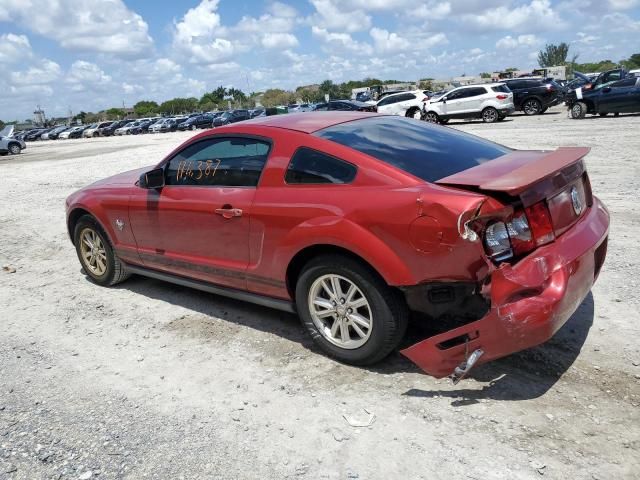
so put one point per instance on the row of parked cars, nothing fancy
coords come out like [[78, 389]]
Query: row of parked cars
[[615, 91]]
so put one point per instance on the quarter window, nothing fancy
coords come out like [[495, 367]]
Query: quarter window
[[309, 166], [224, 162]]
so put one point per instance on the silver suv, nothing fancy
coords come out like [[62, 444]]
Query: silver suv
[[492, 102], [9, 144]]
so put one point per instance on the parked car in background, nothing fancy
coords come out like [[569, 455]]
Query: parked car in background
[[256, 112], [110, 129], [9, 143], [408, 104], [204, 120], [617, 95], [142, 126], [299, 107], [534, 96], [491, 102], [350, 106], [232, 116], [317, 215], [94, 131], [363, 96], [67, 133], [53, 133], [126, 128], [319, 107], [34, 135]]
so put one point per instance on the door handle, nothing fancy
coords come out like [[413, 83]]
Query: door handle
[[229, 212]]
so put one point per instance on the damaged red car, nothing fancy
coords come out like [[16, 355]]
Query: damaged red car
[[353, 221]]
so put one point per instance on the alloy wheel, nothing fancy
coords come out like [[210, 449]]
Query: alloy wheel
[[490, 115], [14, 149], [93, 252], [340, 311], [532, 107], [431, 117]]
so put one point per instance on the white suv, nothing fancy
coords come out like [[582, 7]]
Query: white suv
[[491, 102], [408, 104]]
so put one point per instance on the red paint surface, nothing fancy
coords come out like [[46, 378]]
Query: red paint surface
[[404, 228]]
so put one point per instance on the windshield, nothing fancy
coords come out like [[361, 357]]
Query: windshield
[[429, 152]]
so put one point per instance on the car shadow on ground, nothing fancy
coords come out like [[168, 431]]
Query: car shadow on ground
[[521, 376], [527, 374]]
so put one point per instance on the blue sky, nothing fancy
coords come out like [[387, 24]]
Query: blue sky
[[95, 54]]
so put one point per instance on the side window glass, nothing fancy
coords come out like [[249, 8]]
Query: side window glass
[[627, 82], [224, 162], [309, 166], [454, 95], [385, 101]]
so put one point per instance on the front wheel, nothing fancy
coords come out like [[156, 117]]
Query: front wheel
[[490, 115], [431, 117], [95, 253], [578, 110], [413, 113], [532, 107], [350, 313], [15, 149]]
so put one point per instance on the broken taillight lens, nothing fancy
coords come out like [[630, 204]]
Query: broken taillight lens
[[521, 233], [540, 223]]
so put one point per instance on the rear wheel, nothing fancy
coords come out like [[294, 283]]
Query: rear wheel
[[532, 107], [579, 110], [15, 149], [431, 117], [95, 253], [413, 112], [490, 115], [350, 313]]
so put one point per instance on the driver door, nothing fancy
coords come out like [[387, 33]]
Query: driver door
[[197, 224]]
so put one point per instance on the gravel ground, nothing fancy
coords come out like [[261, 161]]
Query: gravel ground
[[151, 380]]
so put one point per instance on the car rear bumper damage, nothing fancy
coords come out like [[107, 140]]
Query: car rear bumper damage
[[530, 301]]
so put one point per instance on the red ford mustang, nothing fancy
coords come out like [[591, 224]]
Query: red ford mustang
[[355, 220]]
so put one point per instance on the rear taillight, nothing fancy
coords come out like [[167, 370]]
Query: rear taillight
[[521, 233], [540, 223], [502, 97]]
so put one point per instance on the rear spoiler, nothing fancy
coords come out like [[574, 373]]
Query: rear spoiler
[[517, 171]]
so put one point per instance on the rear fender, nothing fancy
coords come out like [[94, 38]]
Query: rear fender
[[346, 234]]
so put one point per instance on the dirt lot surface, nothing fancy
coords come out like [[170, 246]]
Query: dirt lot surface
[[150, 380]]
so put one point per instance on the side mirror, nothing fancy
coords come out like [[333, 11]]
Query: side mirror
[[152, 179], [444, 100]]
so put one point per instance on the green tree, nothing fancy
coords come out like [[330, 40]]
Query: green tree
[[555, 55], [485, 75], [2, 124], [115, 113], [215, 97], [145, 108], [178, 105], [276, 96]]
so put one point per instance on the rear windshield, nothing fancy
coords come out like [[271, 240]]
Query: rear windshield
[[429, 152], [501, 88]]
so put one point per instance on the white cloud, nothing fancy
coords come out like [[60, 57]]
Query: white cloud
[[538, 15], [87, 76], [88, 25], [14, 48], [519, 41], [333, 16], [279, 40], [46, 72], [386, 41], [340, 41]]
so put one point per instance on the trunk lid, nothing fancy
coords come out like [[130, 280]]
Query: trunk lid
[[557, 178]]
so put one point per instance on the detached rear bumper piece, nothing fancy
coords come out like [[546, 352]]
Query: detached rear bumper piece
[[530, 300]]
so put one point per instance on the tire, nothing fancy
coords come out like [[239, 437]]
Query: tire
[[193, 127], [413, 112], [108, 269], [385, 311], [14, 149], [532, 106], [490, 115], [578, 110], [603, 114], [431, 117]]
